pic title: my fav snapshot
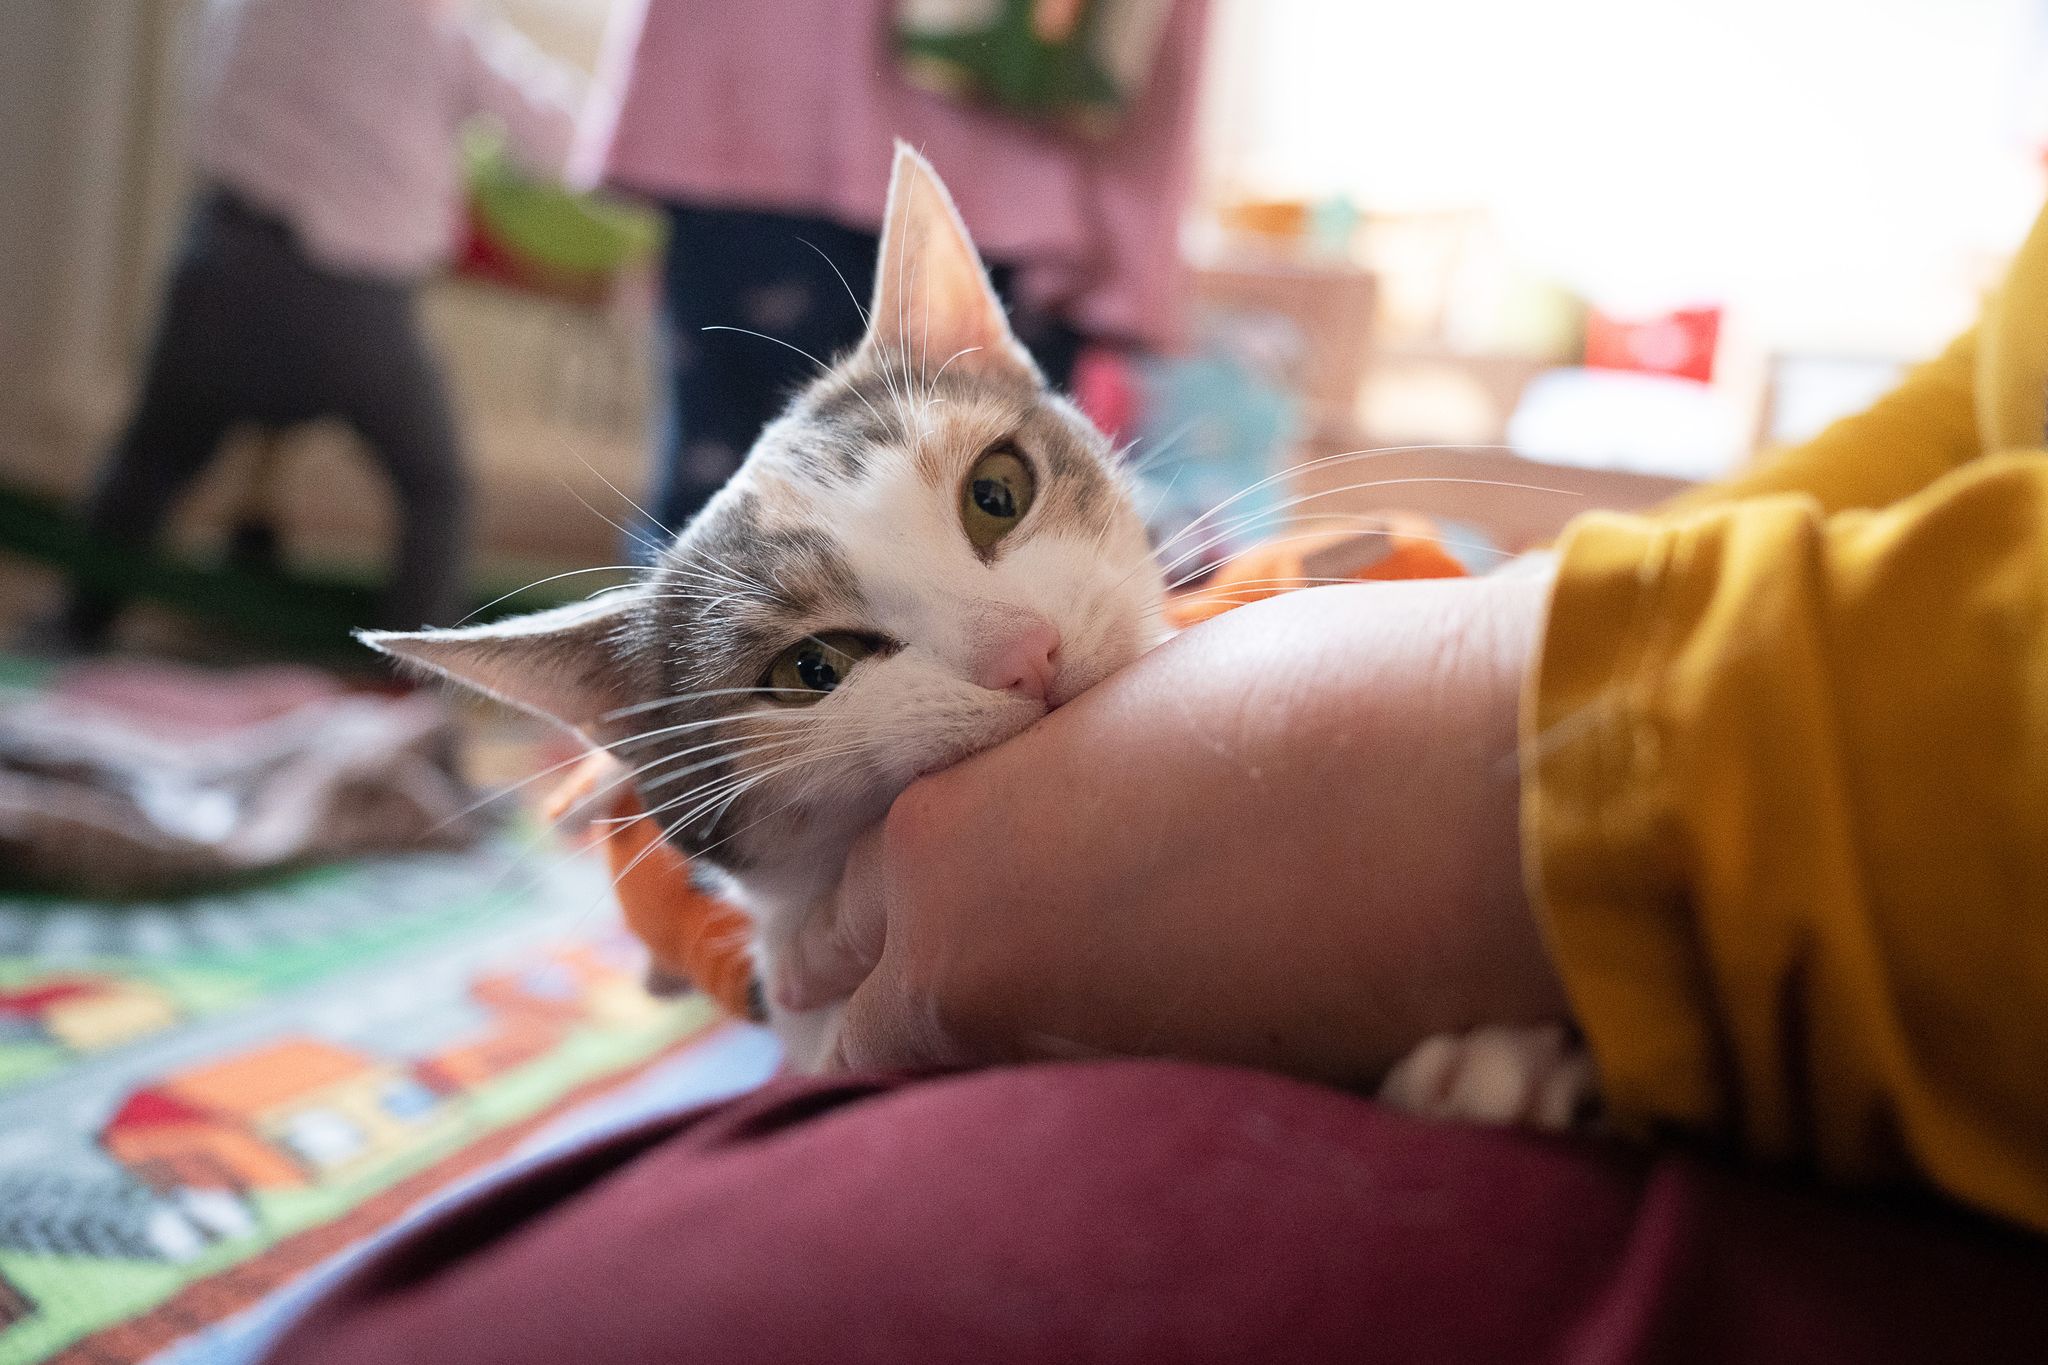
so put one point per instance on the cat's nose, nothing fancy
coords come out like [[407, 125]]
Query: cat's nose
[[1020, 659]]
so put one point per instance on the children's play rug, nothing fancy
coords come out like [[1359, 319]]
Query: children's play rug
[[203, 1099]]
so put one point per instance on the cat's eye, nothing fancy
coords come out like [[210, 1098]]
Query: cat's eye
[[996, 495], [814, 667]]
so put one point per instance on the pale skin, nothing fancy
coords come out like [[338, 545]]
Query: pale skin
[[1287, 838]]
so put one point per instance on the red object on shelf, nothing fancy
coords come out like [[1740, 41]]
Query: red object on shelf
[[1106, 390], [480, 256], [1680, 344]]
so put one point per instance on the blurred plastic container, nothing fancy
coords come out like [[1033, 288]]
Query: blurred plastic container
[[527, 234]]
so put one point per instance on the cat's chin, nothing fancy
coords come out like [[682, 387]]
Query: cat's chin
[[938, 763], [1000, 728]]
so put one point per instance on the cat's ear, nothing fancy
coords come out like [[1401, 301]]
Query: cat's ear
[[933, 305], [569, 664]]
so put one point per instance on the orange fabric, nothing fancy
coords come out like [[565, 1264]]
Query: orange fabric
[[687, 932], [706, 940], [1407, 547]]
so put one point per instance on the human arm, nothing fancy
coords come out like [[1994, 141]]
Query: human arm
[[534, 99], [1782, 813], [1287, 838]]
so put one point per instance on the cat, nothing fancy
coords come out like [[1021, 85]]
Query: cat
[[926, 552]]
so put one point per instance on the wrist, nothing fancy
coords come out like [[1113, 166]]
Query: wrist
[[1444, 918], [1289, 839]]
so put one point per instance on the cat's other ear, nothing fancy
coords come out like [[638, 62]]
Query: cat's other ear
[[568, 664], [933, 305]]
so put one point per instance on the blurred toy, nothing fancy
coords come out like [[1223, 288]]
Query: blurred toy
[[1213, 426], [1400, 547], [1074, 64], [1681, 343], [691, 934], [528, 234]]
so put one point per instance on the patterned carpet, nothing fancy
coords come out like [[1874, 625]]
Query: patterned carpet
[[203, 1099]]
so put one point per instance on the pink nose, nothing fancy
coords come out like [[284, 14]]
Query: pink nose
[[1020, 659]]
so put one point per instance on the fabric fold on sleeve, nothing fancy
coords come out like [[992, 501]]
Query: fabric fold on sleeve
[[1786, 817]]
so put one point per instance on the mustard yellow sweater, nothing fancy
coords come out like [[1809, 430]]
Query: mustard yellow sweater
[[1786, 787]]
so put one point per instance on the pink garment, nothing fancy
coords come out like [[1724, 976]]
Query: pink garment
[[343, 117], [792, 106]]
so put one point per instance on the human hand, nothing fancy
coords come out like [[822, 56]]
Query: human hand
[[1287, 838]]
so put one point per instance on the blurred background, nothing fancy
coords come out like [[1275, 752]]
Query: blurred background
[[1633, 237], [284, 947]]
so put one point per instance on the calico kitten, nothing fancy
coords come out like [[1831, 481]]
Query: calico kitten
[[923, 555]]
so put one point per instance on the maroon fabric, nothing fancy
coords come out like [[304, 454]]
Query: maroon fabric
[[1156, 1211]]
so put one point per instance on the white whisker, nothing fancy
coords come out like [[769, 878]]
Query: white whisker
[[652, 520], [788, 346], [785, 345], [1364, 528], [543, 582], [678, 698], [964, 350], [857, 308], [635, 536], [1295, 470], [1219, 535]]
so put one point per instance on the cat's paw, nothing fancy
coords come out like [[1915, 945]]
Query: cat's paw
[[1531, 1077]]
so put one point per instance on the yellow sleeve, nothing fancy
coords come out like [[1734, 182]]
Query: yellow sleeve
[[1912, 436], [1786, 817]]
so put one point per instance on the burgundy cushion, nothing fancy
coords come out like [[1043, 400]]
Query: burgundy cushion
[[1158, 1211]]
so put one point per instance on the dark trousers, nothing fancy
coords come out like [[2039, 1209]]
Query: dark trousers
[[252, 331], [772, 273]]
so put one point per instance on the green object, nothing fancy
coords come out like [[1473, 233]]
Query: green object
[[304, 614], [590, 237], [1075, 68], [1005, 63]]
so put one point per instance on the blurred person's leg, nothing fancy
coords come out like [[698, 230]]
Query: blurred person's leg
[[801, 283], [253, 329], [1052, 341], [186, 405], [170, 438], [770, 273], [393, 393]]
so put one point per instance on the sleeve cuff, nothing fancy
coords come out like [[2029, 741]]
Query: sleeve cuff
[[1603, 853]]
